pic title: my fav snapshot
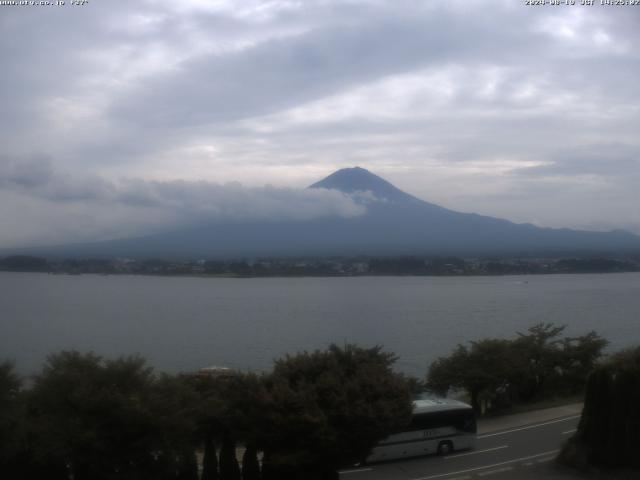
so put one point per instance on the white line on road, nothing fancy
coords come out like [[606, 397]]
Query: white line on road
[[476, 452], [489, 466], [493, 472], [570, 431], [355, 471], [542, 460], [528, 427]]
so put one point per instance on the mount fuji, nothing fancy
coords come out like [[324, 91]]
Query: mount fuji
[[393, 223]]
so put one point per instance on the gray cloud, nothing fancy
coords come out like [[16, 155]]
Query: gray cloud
[[481, 106], [284, 72], [603, 160], [32, 173], [171, 203]]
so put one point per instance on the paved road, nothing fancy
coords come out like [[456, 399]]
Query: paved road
[[521, 452]]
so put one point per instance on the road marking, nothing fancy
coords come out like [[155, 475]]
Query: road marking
[[466, 477], [542, 460], [493, 472], [570, 431], [476, 452], [528, 427], [527, 464], [489, 466], [355, 471]]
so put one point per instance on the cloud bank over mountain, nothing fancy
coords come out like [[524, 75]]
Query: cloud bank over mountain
[[394, 223], [162, 205]]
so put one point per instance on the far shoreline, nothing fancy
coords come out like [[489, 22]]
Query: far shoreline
[[241, 277]]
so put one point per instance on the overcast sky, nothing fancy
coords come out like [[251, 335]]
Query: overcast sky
[[121, 116]]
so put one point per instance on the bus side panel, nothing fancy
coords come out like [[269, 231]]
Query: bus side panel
[[464, 442], [418, 443], [402, 450], [427, 431]]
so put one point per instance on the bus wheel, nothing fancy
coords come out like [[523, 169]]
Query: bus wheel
[[445, 448]]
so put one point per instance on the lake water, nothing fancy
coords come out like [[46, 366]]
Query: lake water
[[186, 323]]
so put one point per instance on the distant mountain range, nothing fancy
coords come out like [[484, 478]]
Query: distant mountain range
[[395, 223]]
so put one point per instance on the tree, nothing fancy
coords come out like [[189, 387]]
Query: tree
[[579, 357], [250, 465], [551, 365], [187, 465], [12, 422], [210, 414], [483, 371], [329, 408], [209, 459], [540, 357], [24, 263], [496, 373], [229, 468], [449, 372], [609, 430], [231, 409], [174, 406], [102, 419]]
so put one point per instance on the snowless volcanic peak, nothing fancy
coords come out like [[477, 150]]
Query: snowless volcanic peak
[[356, 179], [398, 224]]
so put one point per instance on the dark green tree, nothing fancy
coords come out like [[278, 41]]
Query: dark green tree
[[250, 465], [609, 430], [12, 423], [187, 465], [229, 468], [448, 372], [210, 415], [329, 408], [579, 357], [105, 419], [210, 459], [24, 263], [174, 405], [483, 371], [497, 373], [540, 357], [232, 407]]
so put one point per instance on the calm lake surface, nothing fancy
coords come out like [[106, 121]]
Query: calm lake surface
[[186, 323]]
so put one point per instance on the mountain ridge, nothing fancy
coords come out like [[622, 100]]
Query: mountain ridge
[[394, 223]]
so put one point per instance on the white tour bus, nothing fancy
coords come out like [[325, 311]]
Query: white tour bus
[[437, 426]]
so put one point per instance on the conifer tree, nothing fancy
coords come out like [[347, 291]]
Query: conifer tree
[[210, 460], [250, 465], [229, 468], [609, 430]]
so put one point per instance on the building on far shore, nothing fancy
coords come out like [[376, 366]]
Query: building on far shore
[[213, 372]]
